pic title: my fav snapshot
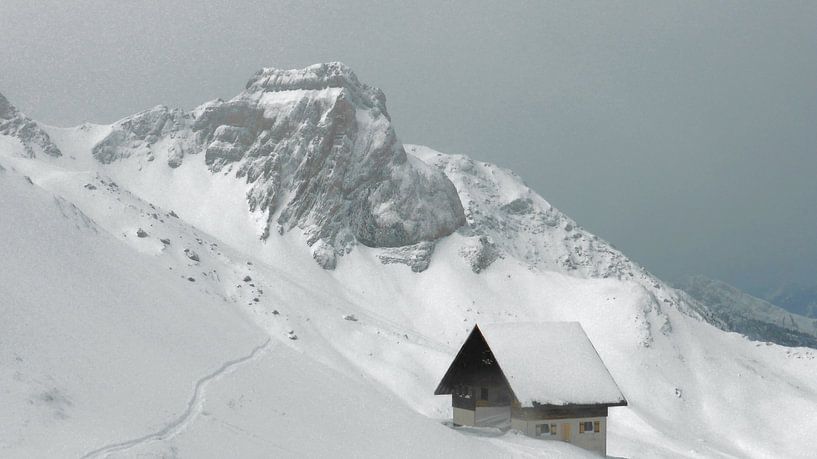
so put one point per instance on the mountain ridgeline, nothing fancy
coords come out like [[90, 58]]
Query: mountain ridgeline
[[317, 152], [190, 239], [737, 311], [799, 299]]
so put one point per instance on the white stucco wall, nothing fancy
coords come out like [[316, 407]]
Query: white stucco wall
[[484, 416], [463, 417], [593, 441], [492, 416]]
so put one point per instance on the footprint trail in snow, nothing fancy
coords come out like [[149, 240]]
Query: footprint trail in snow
[[194, 407]]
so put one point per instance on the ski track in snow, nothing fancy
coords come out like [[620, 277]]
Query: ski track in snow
[[194, 407]]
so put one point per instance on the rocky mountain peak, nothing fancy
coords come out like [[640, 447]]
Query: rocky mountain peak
[[7, 111], [319, 151], [31, 136], [317, 77]]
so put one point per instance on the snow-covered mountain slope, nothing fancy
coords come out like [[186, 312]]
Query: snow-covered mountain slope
[[127, 331], [693, 389], [757, 319], [97, 341]]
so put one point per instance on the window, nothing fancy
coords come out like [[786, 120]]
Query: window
[[586, 427], [597, 426], [483, 393], [543, 429], [553, 429]]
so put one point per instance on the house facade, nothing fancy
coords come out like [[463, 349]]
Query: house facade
[[543, 379]]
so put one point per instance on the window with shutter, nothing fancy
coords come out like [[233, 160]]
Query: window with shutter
[[597, 426]]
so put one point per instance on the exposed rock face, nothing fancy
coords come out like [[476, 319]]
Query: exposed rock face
[[417, 256], [480, 253], [139, 132], [319, 151], [324, 255], [15, 124]]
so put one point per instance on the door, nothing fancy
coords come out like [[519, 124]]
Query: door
[[566, 431]]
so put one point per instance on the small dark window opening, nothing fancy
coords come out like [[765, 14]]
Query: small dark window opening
[[483, 393], [586, 427]]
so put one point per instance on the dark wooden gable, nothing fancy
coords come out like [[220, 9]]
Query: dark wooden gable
[[474, 365]]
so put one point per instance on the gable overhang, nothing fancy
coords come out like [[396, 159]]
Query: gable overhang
[[445, 387]]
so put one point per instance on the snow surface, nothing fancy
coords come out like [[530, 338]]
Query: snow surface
[[550, 363], [681, 377], [96, 341], [112, 344], [108, 350]]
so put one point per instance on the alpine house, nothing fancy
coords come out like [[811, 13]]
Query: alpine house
[[543, 379]]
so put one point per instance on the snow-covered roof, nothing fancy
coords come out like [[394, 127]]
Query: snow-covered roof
[[551, 363]]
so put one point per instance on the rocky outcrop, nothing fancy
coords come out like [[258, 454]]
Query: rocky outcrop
[[417, 256], [27, 131], [480, 252], [504, 216], [324, 254], [319, 152], [138, 133]]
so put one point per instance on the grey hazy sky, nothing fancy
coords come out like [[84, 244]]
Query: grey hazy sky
[[683, 132]]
